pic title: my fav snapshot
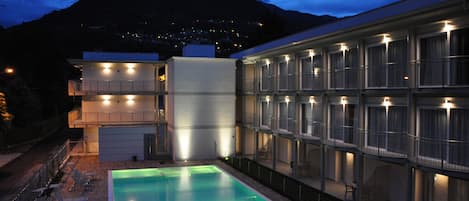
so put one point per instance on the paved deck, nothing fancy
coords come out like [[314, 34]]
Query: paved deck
[[99, 187]]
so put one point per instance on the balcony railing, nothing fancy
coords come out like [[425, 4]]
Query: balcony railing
[[389, 144], [442, 153], [267, 83], [312, 81], [113, 86], [78, 119], [286, 125], [452, 71], [345, 78], [312, 129], [343, 136]]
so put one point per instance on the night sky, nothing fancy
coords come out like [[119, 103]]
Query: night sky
[[17, 11]]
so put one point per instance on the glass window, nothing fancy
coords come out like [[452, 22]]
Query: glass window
[[306, 73], [266, 77], [337, 70], [432, 62], [342, 122], [377, 66], [459, 57], [397, 64], [388, 130], [266, 114]]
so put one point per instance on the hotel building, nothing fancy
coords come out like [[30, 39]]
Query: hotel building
[[377, 103], [136, 107]]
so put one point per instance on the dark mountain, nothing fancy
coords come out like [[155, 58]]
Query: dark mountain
[[38, 49]]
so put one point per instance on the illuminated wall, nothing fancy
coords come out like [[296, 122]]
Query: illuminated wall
[[201, 118]]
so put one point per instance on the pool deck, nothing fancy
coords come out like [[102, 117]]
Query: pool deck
[[98, 190]]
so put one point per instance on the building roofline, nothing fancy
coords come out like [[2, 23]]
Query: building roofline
[[370, 17]]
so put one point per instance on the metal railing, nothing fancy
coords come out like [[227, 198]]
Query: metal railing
[[283, 184], [84, 87], [345, 78], [286, 124], [44, 176], [80, 119], [312, 81], [312, 128], [450, 71], [386, 143], [441, 153], [267, 84]]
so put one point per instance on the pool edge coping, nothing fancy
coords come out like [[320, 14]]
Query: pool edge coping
[[110, 186]]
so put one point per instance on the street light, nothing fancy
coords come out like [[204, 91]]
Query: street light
[[9, 71]]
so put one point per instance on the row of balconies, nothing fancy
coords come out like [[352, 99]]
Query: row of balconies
[[448, 154], [450, 72], [94, 87], [79, 119]]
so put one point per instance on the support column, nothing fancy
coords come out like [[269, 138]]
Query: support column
[[411, 182], [274, 151], [256, 148], [294, 157], [322, 169]]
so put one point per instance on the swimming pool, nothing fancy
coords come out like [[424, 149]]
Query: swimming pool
[[191, 183]]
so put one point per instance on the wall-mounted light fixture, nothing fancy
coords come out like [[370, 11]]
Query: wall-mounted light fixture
[[343, 47], [448, 27], [386, 39], [267, 99], [267, 62], [130, 68], [287, 58], [287, 99], [312, 100], [311, 53], [107, 68], [386, 103], [130, 99], [106, 99], [448, 104]]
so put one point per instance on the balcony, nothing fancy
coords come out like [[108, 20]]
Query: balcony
[[452, 71], [343, 136], [79, 119], [311, 129], [94, 87], [442, 153], [312, 81], [286, 125], [386, 144], [266, 84]]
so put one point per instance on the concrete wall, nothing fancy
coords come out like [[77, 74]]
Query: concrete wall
[[121, 143], [202, 121], [118, 71], [91, 139]]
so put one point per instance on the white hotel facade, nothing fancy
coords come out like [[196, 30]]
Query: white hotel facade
[[377, 102]]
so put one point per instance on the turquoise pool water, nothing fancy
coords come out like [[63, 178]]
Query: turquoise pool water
[[191, 183]]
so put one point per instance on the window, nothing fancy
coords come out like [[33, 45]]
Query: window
[[344, 66], [387, 65], [266, 83], [342, 122], [443, 137], [443, 61], [310, 119], [387, 130], [311, 76], [286, 116], [266, 114], [286, 75]]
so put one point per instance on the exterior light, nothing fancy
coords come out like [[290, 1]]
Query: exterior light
[[185, 161], [9, 70], [343, 100], [267, 99], [343, 47], [386, 39], [106, 99], [130, 68], [386, 103], [406, 77], [267, 62], [312, 100], [311, 53], [447, 104], [448, 27], [130, 99], [287, 58], [287, 99], [107, 67]]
